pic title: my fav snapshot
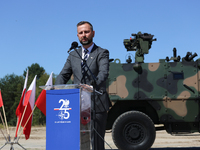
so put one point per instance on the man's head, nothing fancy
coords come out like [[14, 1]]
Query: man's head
[[85, 33]]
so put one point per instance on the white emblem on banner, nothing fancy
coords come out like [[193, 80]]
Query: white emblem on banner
[[63, 110]]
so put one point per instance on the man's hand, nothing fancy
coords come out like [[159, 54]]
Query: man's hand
[[86, 87]]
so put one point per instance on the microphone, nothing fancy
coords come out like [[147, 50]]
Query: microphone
[[73, 45]]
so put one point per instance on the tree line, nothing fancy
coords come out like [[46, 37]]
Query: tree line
[[11, 89]]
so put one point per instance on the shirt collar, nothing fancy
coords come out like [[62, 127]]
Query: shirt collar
[[89, 48]]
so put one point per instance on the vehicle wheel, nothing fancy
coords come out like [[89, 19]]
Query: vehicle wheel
[[133, 130]]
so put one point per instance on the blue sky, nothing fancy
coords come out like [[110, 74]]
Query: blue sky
[[41, 31]]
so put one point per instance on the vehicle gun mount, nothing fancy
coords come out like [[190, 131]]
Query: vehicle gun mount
[[189, 57], [141, 43], [174, 58]]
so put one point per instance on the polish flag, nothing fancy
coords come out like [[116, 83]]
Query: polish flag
[[1, 100], [41, 100], [29, 102], [20, 108]]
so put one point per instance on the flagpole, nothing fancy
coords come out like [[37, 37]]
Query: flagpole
[[6, 122], [2, 120], [4, 126], [22, 118], [27, 121]]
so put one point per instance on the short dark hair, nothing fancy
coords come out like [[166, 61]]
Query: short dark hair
[[83, 22]]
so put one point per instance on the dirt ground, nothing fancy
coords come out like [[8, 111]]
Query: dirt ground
[[163, 141]]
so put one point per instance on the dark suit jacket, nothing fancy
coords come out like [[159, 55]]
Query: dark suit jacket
[[98, 63]]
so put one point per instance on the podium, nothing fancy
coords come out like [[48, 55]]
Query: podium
[[68, 117]]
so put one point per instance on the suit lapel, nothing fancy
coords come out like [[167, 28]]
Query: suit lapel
[[92, 56], [79, 61]]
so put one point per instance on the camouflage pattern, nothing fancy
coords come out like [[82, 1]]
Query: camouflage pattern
[[168, 91], [171, 88]]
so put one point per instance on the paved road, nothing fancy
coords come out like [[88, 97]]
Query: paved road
[[163, 141]]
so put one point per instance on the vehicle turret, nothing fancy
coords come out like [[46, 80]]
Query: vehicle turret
[[141, 43]]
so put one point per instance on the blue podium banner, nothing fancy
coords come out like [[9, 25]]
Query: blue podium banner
[[63, 119]]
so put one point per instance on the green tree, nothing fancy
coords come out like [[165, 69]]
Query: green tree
[[11, 88], [34, 69]]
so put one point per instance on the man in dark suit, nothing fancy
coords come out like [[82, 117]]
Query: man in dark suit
[[98, 62]]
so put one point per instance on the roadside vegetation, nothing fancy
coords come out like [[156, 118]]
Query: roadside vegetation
[[11, 87]]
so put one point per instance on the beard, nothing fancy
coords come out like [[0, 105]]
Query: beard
[[86, 42]]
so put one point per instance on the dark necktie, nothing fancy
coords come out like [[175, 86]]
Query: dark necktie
[[85, 57], [85, 53]]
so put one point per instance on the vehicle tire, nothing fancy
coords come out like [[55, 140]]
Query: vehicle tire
[[133, 130]]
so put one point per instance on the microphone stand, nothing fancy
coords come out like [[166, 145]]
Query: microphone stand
[[94, 79]]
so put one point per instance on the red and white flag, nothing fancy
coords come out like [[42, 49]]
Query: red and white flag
[[41, 100], [1, 100], [29, 102], [20, 108]]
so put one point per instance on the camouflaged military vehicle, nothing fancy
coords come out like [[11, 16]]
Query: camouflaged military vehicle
[[144, 95]]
